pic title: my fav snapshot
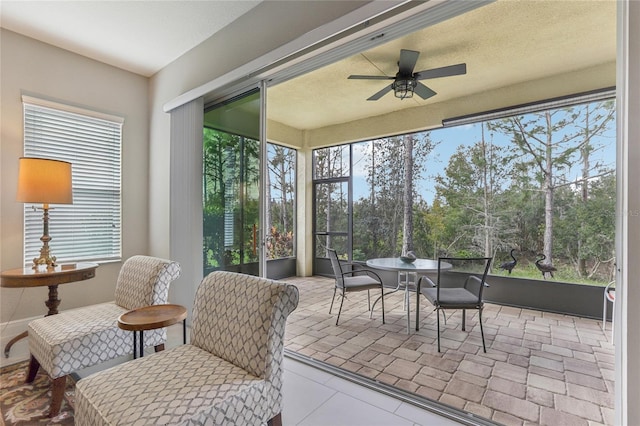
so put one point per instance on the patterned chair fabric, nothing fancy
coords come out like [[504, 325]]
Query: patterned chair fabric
[[230, 373], [83, 337]]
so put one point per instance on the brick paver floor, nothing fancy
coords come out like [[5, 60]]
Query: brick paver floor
[[540, 368]]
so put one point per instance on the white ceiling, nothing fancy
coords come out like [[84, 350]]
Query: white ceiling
[[138, 36]]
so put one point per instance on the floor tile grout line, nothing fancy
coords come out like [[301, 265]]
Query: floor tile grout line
[[335, 392]]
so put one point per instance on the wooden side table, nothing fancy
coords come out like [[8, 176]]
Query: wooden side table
[[29, 277], [150, 318]]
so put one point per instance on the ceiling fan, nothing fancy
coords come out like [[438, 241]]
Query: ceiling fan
[[406, 82]]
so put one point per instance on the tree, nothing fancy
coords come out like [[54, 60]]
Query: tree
[[593, 122], [407, 222], [229, 190], [279, 187], [393, 165], [471, 188], [551, 142], [331, 199]]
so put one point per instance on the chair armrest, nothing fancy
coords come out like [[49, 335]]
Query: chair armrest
[[473, 277], [427, 279], [361, 271]]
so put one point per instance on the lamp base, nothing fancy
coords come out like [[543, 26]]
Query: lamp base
[[45, 259]]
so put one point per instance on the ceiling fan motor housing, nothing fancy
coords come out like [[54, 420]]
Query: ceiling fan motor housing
[[403, 87]]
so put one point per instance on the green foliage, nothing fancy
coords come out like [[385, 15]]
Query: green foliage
[[279, 244]]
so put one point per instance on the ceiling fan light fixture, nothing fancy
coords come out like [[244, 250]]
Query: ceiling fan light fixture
[[404, 88]]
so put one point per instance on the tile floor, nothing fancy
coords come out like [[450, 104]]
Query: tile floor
[[540, 368], [312, 396]]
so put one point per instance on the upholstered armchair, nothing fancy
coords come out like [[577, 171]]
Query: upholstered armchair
[[83, 337], [229, 374]]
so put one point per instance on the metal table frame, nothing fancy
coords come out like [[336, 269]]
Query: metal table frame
[[419, 266]]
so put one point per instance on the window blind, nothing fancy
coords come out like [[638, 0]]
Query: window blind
[[90, 228]]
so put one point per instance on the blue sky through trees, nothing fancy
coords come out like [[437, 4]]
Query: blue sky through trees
[[446, 142]]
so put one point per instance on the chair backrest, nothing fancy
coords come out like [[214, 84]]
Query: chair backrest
[[337, 267], [144, 281], [241, 318], [467, 272]]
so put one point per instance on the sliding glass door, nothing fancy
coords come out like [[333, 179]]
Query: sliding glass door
[[237, 187], [231, 185]]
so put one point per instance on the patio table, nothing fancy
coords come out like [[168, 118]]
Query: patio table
[[419, 266]]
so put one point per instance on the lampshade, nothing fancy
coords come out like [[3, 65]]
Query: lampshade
[[44, 181]]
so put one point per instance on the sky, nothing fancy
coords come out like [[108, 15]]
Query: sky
[[448, 140]]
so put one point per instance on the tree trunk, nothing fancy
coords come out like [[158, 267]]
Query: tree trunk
[[374, 227], [548, 189], [585, 152], [485, 199], [267, 213], [407, 228], [283, 188]]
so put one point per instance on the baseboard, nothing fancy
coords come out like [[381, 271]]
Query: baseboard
[[10, 328]]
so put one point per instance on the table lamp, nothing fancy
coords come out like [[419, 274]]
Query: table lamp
[[44, 181]]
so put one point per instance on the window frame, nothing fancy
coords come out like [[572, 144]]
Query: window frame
[[90, 229]]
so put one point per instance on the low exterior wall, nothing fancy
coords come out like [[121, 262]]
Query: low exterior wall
[[544, 295], [547, 295]]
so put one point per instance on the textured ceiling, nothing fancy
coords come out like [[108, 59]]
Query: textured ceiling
[[504, 43]]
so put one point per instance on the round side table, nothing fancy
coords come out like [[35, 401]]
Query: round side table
[[52, 278], [150, 318]]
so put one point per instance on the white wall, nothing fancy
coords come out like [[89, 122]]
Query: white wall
[[30, 67]]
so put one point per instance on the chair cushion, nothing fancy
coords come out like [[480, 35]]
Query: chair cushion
[[144, 281], [240, 318], [79, 338], [361, 282], [182, 385], [452, 298]]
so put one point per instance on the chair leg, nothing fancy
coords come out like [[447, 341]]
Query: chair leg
[[276, 420], [418, 309], [464, 316], [438, 321], [34, 365], [484, 347], [369, 299], [613, 318], [382, 302], [332, 299], [57, 394], [340, 310], [604, 312]]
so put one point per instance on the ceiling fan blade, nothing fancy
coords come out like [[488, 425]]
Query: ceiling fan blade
[[423, 91], [407, 62], [381, 93], [447, 71], [369, 77]]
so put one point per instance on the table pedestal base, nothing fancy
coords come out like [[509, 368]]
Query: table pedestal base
[[7, 348]]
